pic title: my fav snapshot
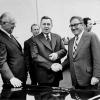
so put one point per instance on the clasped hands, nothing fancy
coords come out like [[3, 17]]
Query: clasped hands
[[56, 67]]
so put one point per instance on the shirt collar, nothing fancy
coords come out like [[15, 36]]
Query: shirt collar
[[80, 35], [49, 34]]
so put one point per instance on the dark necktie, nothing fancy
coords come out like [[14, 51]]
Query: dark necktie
[[13, 39], [48, 39], [75, 46]]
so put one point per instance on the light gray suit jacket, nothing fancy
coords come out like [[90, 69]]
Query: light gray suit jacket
[[86, 63]]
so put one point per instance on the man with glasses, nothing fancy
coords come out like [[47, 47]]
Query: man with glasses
[[12, 66], [83, 56]]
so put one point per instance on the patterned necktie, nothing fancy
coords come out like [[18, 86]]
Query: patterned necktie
[[75, 46]]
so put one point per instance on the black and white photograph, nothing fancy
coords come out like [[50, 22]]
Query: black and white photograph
[[49, 50]]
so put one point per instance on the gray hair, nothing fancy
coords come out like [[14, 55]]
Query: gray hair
[[77, 17]]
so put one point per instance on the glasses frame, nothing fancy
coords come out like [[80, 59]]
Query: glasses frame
[[74, 25]]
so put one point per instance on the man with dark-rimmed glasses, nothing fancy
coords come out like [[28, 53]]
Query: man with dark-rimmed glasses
[[83, 56]]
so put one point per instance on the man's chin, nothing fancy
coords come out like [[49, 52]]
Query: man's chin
[[46, 32], [75, 33]]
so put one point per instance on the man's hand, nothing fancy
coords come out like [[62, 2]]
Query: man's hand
[[53, 56], [15, 82], [94, 81], [56, 67]]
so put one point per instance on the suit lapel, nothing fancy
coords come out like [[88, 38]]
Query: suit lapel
[[31, 39], [53, 41], [17, 44], [80, 44], [44, 41], [7, 37], [71, 47]]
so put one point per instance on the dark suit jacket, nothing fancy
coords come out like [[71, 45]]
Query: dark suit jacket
[[11, 59], [86, 63], [40, 51], [28, 60]]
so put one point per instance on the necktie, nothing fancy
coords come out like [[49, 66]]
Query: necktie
[[48, 39], [75, 46], [13, 39]]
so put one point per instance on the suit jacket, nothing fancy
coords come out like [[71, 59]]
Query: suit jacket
[[11, 59], [86, 63], [28, 59], [40, 51]]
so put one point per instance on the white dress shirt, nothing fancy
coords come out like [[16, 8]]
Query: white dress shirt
[[49, 34]]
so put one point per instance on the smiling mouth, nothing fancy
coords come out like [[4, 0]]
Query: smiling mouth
[[74, 29]]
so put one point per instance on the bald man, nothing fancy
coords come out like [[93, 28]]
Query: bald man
[[12, 66]]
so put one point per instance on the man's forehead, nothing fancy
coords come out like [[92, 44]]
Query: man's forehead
[[35, 27], [75, 20], [46, 21]]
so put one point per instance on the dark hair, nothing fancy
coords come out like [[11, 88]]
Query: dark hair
[[33, 25], [46, 17], [77, 17], [85, 20]]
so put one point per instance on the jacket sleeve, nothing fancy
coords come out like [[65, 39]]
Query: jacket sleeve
[[65, 64], [95, 48], [4, 67], [62, 52], [38, 58]]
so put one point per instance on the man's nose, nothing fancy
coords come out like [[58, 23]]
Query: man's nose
[[46, 25]]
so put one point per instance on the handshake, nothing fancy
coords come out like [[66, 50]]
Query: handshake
[[56, 67]]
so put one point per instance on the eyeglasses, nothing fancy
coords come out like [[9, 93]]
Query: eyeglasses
[[74, 25]]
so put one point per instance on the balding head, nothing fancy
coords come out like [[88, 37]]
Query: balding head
[[6, 17], [7, 22]]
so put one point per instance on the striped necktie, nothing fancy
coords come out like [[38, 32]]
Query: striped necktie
[[75, 46]]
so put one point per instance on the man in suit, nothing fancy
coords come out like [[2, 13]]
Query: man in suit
[[27, 54], [12, 68], [83, 58], [88, 24], [47, 50]]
